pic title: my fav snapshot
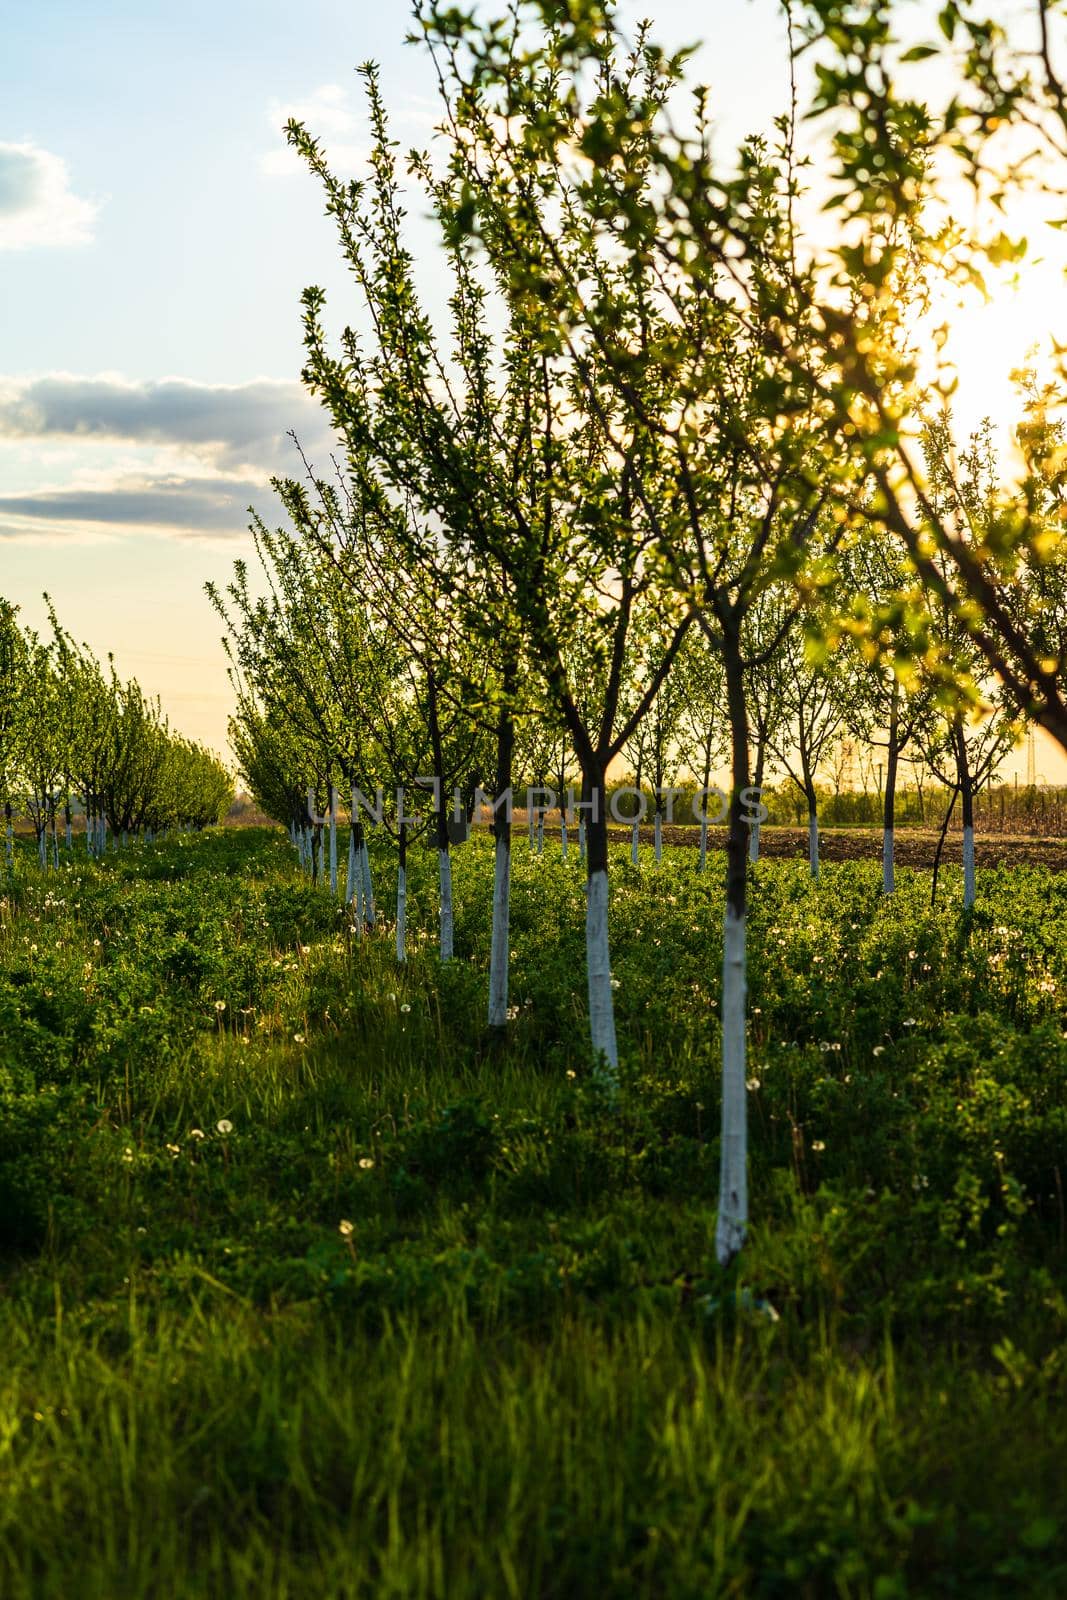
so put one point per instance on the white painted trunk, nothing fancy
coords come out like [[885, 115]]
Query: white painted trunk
[[368, 888], [753, 841], [887, 861], [634, 842], [813, 844], [968, 868], [659, 838], [350, 872], [402, 914], [702, 860], [9, 847], [359, 891], [444, 863], [563, 836], [733, 1176], [70, 837], [42, 848], [598, 971], [581, 840], [499, 952], [541, 833], [333, 843]]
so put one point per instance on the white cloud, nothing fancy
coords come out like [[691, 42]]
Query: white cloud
[[328, 116], [37, 205]]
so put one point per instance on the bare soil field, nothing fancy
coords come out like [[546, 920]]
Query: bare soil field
[[913, 847]]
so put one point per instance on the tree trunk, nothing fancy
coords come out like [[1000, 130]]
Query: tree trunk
[[444, 869], [402, 894], [350, 869], [333, 841], [368, 886], [966, 786], [890, 797], [754, 826], [813, 819], [659, 836], [597, 949], [444, 858], [702, 858], [499, 954], [733, 1175], [354, 883]]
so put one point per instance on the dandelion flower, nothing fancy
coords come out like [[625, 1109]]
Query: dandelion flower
[[879, 1050], [224, 1125], [405, 1007], [196, 1133], [751, 1083], [571, 1072], [220, 1005], [366, 1163], [818, 1145], [346, 1229], [298, 1038]]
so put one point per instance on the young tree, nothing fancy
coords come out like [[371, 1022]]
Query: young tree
[[519, 471], [562, 138], [812, 700], [13, 702]]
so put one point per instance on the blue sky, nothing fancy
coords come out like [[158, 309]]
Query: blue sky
[[155, 235]]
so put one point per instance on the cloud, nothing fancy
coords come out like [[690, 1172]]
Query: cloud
[[172, 456], [329, 118], [229, 426], [187, 505], [37, 206]]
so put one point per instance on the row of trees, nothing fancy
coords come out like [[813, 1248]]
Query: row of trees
[[658, 484], [76, 738]]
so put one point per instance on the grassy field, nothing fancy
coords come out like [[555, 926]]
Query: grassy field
[[310, 1288]]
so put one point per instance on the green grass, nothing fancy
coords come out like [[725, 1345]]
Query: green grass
[[520, 1374]]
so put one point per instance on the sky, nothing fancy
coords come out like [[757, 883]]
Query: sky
[[155, 236]]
